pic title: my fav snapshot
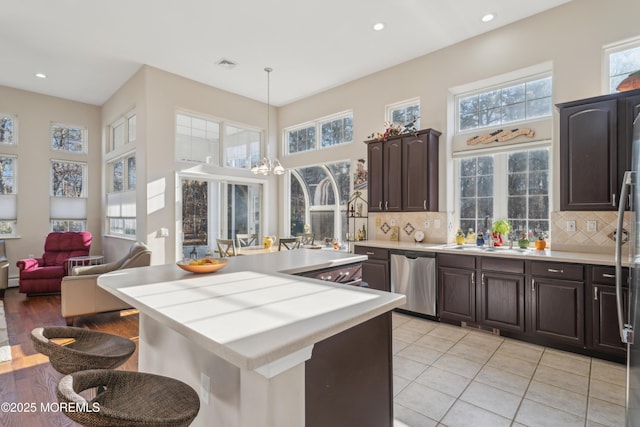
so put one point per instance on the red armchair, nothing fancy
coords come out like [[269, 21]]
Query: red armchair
[[44, 275]]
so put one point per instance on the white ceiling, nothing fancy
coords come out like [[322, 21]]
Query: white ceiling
[[89, 48]]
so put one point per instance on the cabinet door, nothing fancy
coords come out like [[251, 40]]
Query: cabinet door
[[376, 274], [557, 310], [420, 172], [588, 156], [457, 294], [375, 156], [392, 185], [502, 301], [606, 335]]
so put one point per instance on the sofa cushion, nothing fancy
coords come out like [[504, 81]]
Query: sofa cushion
[[46, 272]]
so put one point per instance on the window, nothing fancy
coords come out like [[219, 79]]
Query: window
[[333, 130], [523, 176], [123, 131], [68, 203], [621, 60], [241, 147], [523, 100], [319, 196], [8, 130], [197, 139], [67, 138], [121, 196], [8, 191], [404, 113]]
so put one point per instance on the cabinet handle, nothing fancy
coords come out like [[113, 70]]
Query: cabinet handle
[[482, 279], [386, 205], [613, 199], [380, 205], [595, 293], [609, 276], [554, 270], [473, 278], [533, 285], [424, 205], [370, 253]]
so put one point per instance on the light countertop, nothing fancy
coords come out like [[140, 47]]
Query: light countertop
[[251, 313], [532, 254]]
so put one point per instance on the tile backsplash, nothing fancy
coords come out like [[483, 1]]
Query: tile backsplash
[[440, 227]]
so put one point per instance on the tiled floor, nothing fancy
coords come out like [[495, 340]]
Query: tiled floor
[[450, 376]]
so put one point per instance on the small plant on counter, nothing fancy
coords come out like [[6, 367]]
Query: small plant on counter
[[500, 228]]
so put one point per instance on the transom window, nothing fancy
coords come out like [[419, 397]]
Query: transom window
[[123, 131], [622, 59], [333, 130], [68, 138], [523, 100], [404, 113], [8, 129], [241, 147]]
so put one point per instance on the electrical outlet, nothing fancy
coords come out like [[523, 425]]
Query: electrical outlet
[[393, 222], [427, 223], [592, 226], [571, 226], [436, 223], [205, 387]]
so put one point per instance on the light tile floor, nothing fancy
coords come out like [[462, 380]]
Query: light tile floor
[[450, 376]]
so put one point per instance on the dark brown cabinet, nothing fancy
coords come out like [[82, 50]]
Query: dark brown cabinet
[[403, 172], [501, 294], [375, 271], [605, 334], [557, 303], [595, 150], [457, 287]]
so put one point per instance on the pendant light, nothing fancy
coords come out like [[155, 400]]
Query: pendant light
[[267, 166]]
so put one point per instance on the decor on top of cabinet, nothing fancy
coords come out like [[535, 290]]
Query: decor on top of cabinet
[[395, 129], [631, 82]]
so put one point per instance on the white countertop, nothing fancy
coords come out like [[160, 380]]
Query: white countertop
[[532, 254], [249, 313]]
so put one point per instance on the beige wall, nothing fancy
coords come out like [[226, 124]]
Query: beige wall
[[35, 114]]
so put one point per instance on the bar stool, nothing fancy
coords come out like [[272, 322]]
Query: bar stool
[[128, 399], [89, 349]]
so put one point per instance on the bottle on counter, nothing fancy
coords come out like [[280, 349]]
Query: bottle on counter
[[460, 237], [471, 237], [364, 233], [541, 243], [523, 243], [480, 239]]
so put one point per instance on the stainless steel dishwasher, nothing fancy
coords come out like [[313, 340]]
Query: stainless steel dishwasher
[[413, 274]]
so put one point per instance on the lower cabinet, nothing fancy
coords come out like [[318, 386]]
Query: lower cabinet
[[457, 287], [557, 302], [605, 333], [376, 270], [501, 296]]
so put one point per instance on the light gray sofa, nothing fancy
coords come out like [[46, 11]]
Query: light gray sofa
[[4, 269], [80, 293]]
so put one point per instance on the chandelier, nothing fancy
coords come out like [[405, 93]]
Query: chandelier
[[267, 165]]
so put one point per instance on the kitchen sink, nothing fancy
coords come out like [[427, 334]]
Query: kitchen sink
[[496, 249]]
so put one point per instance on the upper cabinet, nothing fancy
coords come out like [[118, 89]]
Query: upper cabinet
[[403, 172], [595, 150]]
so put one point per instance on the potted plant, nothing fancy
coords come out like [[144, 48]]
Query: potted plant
[[500, 228]]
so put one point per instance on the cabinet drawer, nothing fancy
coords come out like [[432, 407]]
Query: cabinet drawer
[[502, 265], [557, 270], [456, 261], [372, 252], [607, 275], [349, 274]]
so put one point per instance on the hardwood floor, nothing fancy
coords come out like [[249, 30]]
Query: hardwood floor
[[28, 380]]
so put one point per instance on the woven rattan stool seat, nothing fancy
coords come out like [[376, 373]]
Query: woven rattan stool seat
[[130, 399], [88, 350]]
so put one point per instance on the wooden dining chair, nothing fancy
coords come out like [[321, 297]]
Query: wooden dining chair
[[289, 243], [226, 247], [246, 239], [307, 238]]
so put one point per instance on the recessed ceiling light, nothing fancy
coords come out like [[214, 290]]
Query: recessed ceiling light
[[378, 26], [41, 75], [488, 17]]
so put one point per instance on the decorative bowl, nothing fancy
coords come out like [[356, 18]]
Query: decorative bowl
[[203, 265]]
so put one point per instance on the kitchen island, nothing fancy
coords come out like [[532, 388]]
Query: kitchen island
[[264, 347]]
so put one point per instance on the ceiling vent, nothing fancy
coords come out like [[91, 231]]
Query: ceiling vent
[[226, 63]]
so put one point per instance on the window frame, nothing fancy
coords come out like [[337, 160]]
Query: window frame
[[611, 49], [61, 202], [128, 135], [317, 124], [9, 203], [250, 161], [84, 141], [119, 199], [403, 105], [14, 130]]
